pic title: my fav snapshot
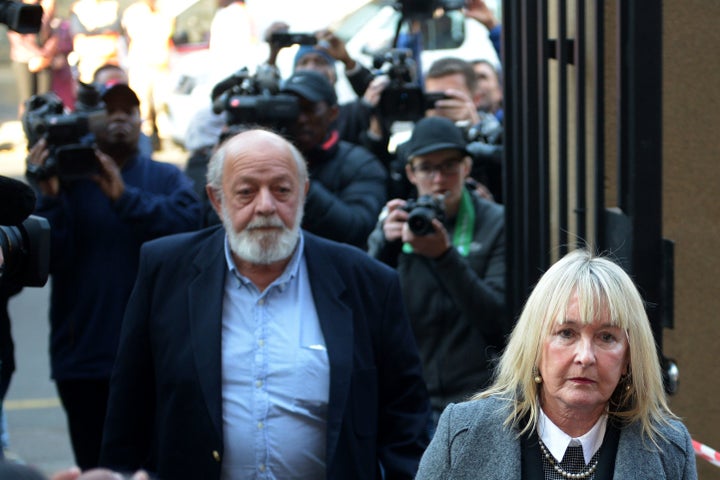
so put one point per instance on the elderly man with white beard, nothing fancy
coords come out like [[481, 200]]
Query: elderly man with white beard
[[258, 350]]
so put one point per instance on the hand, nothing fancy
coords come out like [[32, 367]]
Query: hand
[[335, 47], [458, 107], [478, 10], [36, 159], [395, 219], [375, 89], [74, 473], [274, 27], [109, 179], [432, 245]]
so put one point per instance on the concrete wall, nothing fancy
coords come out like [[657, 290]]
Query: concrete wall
[[691, 154]]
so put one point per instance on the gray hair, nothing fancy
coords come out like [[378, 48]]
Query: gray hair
[[217, 160]]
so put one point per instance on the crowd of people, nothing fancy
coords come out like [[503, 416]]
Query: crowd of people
[[307, 300]]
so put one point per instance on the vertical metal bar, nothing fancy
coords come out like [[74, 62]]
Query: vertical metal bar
[[640, 132], [562, 127], [599, 127], [513, 146], [543, 139], [580, 110]]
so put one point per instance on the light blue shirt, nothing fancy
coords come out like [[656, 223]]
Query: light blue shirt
[[275, 377]]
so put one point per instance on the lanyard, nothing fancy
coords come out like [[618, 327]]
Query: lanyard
[[464, 226]]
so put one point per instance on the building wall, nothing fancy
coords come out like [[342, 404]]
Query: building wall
[[691, 176]]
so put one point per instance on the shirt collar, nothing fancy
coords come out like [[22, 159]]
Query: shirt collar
[[557, 441], [290, 272]]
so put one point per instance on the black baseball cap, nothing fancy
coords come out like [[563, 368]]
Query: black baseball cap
[[435, 133], [120, 92], [312, 86]]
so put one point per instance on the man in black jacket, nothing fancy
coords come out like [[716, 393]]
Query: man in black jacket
[[347, 182], [451, 264]]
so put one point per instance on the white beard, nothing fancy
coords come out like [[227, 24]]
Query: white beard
[[261, 247]]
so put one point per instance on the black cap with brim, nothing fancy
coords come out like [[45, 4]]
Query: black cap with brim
[[312, 86], [119, 92], [432, 134]]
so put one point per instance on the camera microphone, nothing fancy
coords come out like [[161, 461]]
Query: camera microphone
[[17, 201]]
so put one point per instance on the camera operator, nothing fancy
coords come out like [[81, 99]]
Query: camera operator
[[450, 89], [24, 261], [99, 220], [449, 250], [319, 52], [347, 187]]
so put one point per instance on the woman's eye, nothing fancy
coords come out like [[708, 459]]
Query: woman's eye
[[566, 332], [607, 337]]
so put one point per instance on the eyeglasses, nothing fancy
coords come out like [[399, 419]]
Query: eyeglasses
[[445, 168]]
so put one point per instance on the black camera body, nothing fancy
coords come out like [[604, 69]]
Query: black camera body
[[424, 9], [26, 252], [287, 39], [69, 135], [254, 99], [21, 17], [423, 211], [403, 100]]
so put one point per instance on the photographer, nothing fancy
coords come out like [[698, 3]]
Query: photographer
[[450, 91], [347, 187], [449, 250], [100, 216]]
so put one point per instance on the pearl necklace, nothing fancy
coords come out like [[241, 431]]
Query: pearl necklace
[[556, 466]]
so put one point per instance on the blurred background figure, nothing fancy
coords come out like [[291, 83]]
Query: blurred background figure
[[233, 38], [148, 31], [96, 30], [31, 56]]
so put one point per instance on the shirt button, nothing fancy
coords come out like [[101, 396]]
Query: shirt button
[[216, 455], [260, 425], [259, 383], [261, 467], [261, 343], [261, 301]]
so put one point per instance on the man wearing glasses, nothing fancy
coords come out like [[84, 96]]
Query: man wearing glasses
[[452, 273]]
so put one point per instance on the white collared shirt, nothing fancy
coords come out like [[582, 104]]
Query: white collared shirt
[[557, 441]]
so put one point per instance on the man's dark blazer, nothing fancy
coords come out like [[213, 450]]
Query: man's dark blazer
[[165, 407]]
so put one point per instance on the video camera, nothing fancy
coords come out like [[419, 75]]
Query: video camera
[[422, 212], [24, 238], [287, 39], [403, 99], [422, 9], [254, 99], [21, 17], [69, 136]]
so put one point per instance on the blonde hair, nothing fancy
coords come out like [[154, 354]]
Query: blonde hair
[[602, 287]]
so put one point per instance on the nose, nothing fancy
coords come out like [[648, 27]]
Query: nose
[[585, 352], [265, 202]]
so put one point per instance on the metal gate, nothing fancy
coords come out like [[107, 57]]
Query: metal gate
[[573, 71]]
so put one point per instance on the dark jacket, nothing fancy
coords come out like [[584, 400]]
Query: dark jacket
[[95, 246], [347, 192], [472, 442], [165, 411], [455, 304]]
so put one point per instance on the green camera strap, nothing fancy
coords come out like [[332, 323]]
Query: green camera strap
[[464, 226]]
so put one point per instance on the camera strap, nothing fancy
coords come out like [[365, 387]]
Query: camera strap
[[464, 226]]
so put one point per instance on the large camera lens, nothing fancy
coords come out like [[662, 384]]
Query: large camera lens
[[420, 221], [26, 252]]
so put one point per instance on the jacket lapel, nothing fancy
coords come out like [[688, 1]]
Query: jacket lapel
[[335, 317], [205, 295]]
